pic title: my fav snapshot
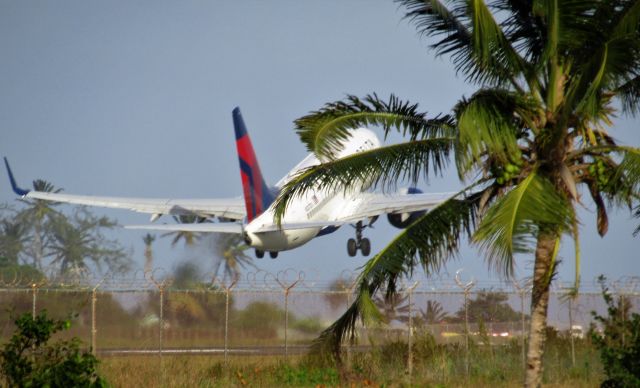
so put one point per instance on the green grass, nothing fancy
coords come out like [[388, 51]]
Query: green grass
[[384, 366]]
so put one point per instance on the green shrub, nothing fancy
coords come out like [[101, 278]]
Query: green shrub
[[29, 360], [310, 325], [619, 342]]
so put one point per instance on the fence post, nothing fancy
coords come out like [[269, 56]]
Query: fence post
[[227, 293], [466, 288], [573, 346], [94, 298], [160, 285], [286, 288], [34, 289], [410, 339], [522, 290]]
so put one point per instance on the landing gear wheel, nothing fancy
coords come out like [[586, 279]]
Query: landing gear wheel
[[352, 247], [365, 247], [259, 254], [273, 254]]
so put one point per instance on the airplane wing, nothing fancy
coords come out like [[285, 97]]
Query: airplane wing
[[368, 205], [222, 227], [231, 208], [365, 205]]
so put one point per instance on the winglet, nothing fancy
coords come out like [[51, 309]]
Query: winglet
[[14, 185]]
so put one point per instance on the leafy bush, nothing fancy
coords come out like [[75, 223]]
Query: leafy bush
[[310, 325], [619, 342], [29, 360]]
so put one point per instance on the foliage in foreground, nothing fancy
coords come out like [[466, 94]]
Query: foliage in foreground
[[619, 343], [551, 77], [29, 360]]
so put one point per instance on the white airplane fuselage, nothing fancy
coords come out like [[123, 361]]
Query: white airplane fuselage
[[314, 205], [315, 213]]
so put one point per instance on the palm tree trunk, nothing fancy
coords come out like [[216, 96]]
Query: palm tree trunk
[[38, 246], [539, 305], [148, 258]]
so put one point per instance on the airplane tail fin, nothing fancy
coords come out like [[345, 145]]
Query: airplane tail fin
[[257, 196]]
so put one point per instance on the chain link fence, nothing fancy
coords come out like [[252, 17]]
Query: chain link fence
[[264, 313]]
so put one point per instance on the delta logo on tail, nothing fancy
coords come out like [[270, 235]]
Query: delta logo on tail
[[257, 195]]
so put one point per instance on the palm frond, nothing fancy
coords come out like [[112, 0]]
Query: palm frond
[[380, 167], [524, 29], [324, 131], [512, 222], [476, 42], [636, 214], [609, 54], [623, 187], [488, 124], [428, 242], [629, 95], [492, 49], [627, 20]]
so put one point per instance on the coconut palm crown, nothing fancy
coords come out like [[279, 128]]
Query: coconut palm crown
[[531, 144]]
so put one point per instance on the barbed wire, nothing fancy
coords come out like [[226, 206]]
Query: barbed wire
[[302, 280]]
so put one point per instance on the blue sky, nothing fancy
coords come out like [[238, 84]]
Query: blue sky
[[134, 98]]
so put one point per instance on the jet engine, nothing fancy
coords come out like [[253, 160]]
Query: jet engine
[[402, 220]]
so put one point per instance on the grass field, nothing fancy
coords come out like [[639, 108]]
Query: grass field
[[385, 366]]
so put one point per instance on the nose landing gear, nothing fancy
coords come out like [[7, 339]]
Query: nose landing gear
[[359, 243]]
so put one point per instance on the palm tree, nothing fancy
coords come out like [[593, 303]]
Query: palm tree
[[14, 236], [550, 76], [230, 251], [395, 308], [148, 252], [434, 313], [189, 237], [78, 244], [38, 214]]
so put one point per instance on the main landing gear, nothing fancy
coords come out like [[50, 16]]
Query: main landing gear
[[260, 254], [359, 243]]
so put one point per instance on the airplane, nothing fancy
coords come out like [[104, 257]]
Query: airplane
[[315, 214]]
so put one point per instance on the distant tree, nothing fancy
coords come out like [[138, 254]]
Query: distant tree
[[78, 242], [189, 238], [262, 318], [14, 236], [488, 306], [228, 250], [434, 313], [37, 215], [230, 253], [395, 308], [148, 251], [337, 297], [187, 276]]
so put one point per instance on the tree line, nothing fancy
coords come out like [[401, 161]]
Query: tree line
[[38, 238]]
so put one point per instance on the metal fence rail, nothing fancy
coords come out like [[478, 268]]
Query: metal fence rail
[[281, 313]]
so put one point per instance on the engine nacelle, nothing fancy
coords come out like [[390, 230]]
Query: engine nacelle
[[402, 220]]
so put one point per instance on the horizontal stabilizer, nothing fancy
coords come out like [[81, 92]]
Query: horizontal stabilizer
[[201, 227]]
